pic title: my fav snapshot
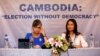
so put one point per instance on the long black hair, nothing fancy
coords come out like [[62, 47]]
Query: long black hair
[[75, 29]]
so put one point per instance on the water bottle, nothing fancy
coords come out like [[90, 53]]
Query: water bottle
[[6, 41], [31, 42], [91, 40]]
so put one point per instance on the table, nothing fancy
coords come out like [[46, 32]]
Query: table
[[84, 52], [47, 52], [25, 52]]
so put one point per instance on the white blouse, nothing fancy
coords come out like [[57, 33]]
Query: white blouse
[[77, 40]]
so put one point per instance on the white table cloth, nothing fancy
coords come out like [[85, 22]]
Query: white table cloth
[[47, 52]]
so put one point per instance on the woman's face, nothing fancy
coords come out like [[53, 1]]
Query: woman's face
[[70, 26], [37, 29]]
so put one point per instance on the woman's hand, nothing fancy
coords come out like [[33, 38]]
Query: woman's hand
[[43, 31], [37, 46], [77, 46], [44, 34]]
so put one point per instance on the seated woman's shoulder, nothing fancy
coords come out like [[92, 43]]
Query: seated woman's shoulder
[[80, 35], [28, 35]]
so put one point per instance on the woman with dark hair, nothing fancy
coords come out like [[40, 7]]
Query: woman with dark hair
[[73, 37]]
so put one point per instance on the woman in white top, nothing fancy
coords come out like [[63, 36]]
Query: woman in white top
[[73, 37]]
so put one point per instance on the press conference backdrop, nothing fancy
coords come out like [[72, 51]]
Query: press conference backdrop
[[18, 27]]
